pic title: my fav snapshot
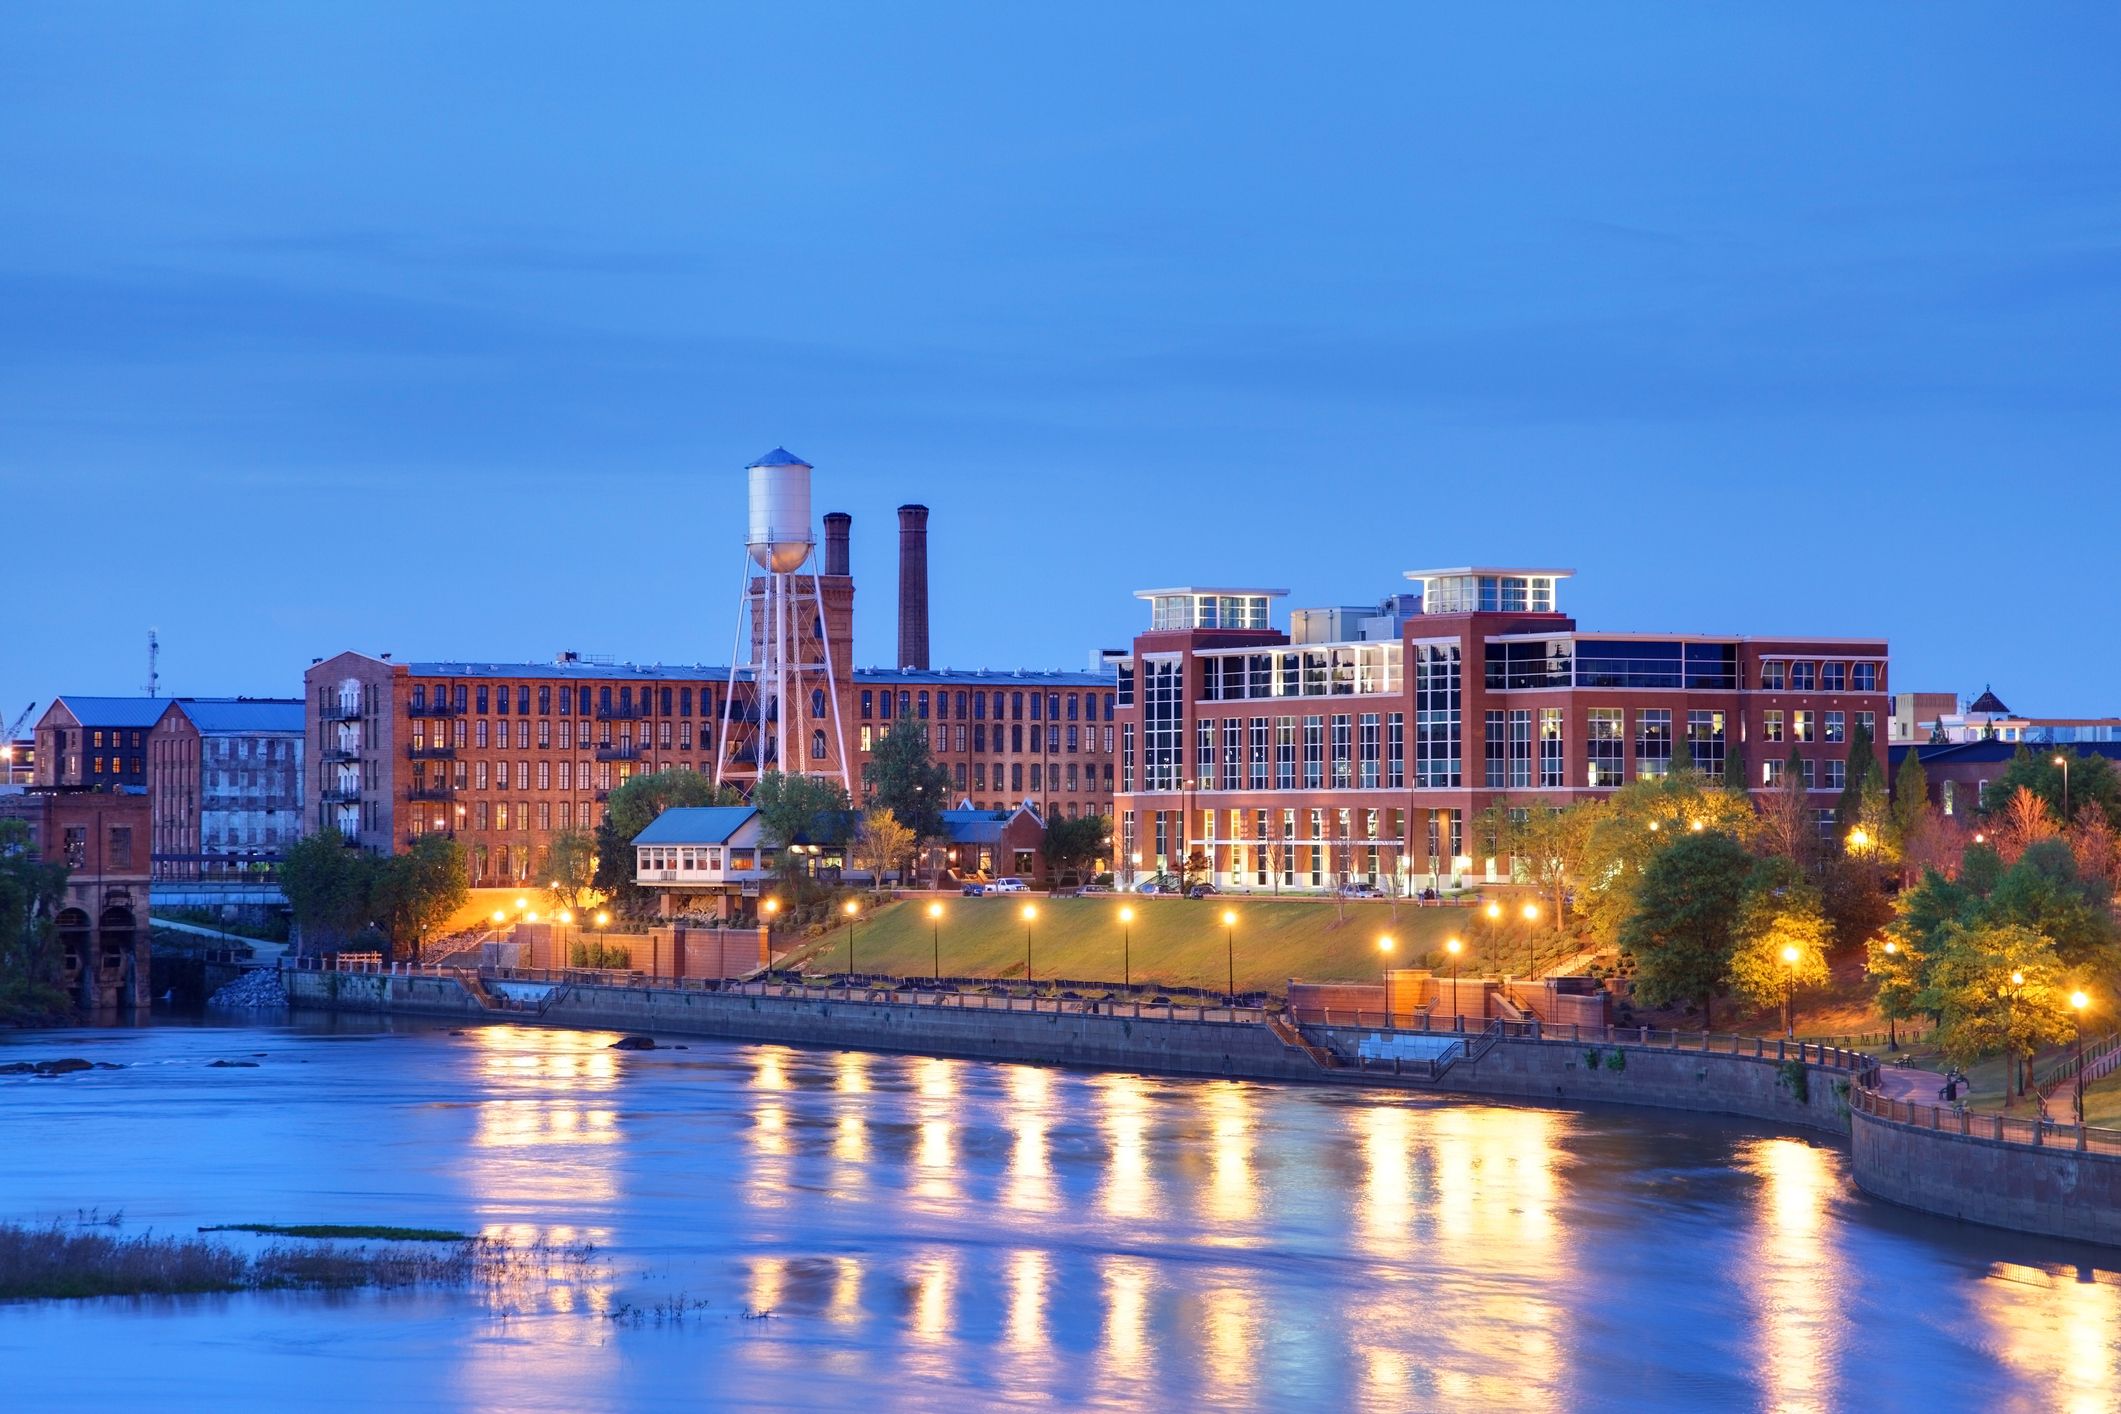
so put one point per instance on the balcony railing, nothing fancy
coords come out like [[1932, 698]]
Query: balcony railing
[[340, 795], [610, 752], [339, 712], [429, 793], [341, 753], [431, 709], [430, 753]]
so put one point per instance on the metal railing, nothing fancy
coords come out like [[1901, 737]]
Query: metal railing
[[1999, 1128]]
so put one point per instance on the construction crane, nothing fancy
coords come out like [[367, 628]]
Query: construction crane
[[7, 745]]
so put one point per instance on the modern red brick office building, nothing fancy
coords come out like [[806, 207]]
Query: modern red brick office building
[[1360, 744]]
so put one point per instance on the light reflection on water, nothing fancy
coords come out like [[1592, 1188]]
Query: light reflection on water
[[944, 1232]]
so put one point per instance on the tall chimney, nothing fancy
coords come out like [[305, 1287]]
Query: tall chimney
[[913, 587], [836, 524]]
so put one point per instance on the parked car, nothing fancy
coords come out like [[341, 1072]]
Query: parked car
[[1010, 885], [1361, 891], [974, 890], [1201, 891], [1094, 889]]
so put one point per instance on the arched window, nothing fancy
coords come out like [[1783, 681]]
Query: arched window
[[817, 746], [817, 702]]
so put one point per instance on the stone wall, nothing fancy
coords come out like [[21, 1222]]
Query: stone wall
[[2056, 1191]]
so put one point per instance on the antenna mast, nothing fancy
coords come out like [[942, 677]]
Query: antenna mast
[[154, 657]]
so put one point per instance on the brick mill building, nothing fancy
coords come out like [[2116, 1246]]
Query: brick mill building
[[505, 756], [224, 777], [1360, 744]]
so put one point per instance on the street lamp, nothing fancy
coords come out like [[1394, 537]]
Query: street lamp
[[1892, 1024], [1654, 827], [603, 920], [499, 916], [1454, 947], [1789, 997], [1230, 951], [2077, 1003], [1494, 910], [2017, 985], [1126, 947], [2063, 762], [851, 908], [935, 936], [1859, 838], [1030, 915], [1697, 826]]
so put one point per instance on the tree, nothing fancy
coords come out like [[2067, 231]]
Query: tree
[[1071, 847], [2092, 843], [1998, 989], [1864, 783], [909, 781], [880, 842], [414, 893], [1898, 972], [2022, 822], [572, 868], [1736, 779], [793, 808], [2043, 893], [1854, 898], [1788, 829], [1913, 825], [2092, 779], [327, 884], [1553, 848], [1780, 912], [1680, 931], [31, 894], [1623, 834]]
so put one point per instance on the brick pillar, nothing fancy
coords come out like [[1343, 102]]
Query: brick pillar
[[837, 526], [912, 587]]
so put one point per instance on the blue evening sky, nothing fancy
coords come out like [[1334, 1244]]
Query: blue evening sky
[[447, 330]]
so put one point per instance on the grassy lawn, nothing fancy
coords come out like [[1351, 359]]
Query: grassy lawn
[[1175, 942]]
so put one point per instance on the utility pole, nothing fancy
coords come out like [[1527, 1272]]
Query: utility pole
[[154, 657]]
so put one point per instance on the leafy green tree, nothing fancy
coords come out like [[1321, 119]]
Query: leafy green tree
[[1854, 898], [1899, 973], [2091, 778], [910, 782], [31, 894], [1552, 850], [1071, 847], [2042, 892], [1633, 827], [571, 870], [796, 807], [1864, 782], [1998, 990], [1736, 777], [1781, 913], [327, 882], [413, 894], [1681, 930]]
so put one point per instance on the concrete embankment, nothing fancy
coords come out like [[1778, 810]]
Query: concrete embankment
[[2054, 1189], [1569, 1072]]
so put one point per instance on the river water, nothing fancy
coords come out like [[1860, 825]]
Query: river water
[[943, 1233]]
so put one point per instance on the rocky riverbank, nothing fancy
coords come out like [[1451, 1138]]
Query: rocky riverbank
[[257, 988]]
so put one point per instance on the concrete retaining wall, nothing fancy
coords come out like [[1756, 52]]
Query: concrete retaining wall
[[2058, 1192]]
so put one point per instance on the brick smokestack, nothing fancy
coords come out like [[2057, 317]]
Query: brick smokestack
[[913, 586], [836, 528]]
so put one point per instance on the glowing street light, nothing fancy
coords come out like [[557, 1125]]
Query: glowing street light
[[851, 908], [1859, 838], [2063, 762], [521, 904], [1030, 916], [2078, 1001], [1494, 910], [1698, 826], [935, 936], [1126, 946], [1230, 951], [1654, 827], [1454, 947], [1789, 1003], [1892, 1023], [1385, 944], [603, 920], [499, 916], [1531, 913], [566, 915]]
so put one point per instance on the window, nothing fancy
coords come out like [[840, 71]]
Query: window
[[1520, 749], [1314, 752], [1771, 726], [1653, 743], [1343, 775], [1233, 752], [1772, 674], [1436, 721], [1204, 755], [1803, 677], [1366, 746], [1869, 722], [1802, 725], [868, 703], [1284, 753], [1553, 762], [817, 746], [1395, 750], [1495, 750], [1705, 742], [1865, 677], [1837, 774], [1833, 677], [1836, 726], [1605, 747]]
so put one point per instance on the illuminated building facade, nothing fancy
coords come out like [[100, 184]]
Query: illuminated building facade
[[1360, 745]]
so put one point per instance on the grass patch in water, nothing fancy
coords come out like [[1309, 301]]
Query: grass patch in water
[[345, 1231]]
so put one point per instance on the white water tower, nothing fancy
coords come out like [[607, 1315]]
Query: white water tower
[[779, 536], [779, 610]]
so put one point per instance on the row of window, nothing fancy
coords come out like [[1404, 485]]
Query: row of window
[[1071, 739], [973, 706], [1060, 776], [578, 701], [1343, 670]]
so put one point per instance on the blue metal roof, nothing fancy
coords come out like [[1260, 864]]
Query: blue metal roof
[[582, 672], [696, 824], [115, 711], [781, 456], [220, 716]]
